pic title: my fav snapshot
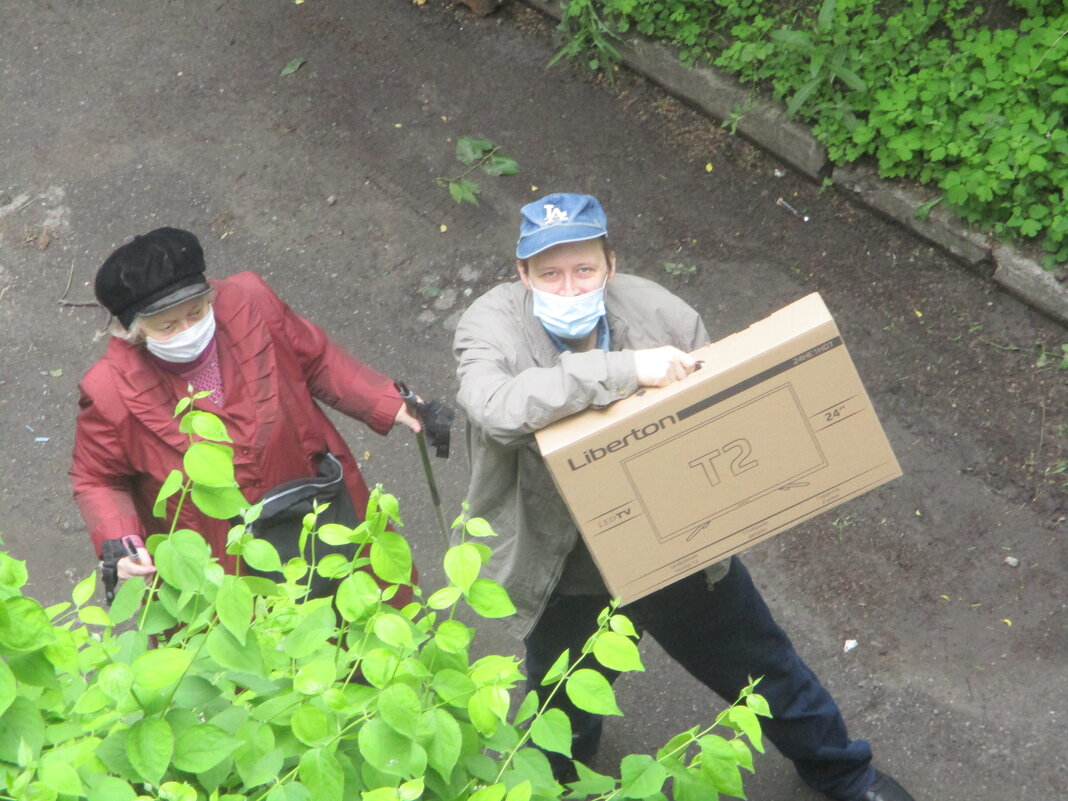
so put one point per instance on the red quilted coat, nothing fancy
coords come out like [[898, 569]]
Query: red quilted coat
[[273, 364]]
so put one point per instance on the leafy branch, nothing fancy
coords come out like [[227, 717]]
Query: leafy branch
[[477, 154]]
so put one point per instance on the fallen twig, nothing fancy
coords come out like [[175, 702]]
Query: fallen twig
[[4, 290], [63, 299]]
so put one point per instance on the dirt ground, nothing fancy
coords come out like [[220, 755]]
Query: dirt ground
[[120, 117]]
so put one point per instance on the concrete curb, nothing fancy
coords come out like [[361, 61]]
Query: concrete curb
[[763, 121]]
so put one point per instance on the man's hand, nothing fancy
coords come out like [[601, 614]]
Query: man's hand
[[405, 418], [141, 565], [658, 367]]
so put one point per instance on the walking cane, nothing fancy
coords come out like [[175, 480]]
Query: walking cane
[[436, 419]]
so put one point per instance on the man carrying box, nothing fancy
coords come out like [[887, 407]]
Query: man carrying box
[[573, 334]]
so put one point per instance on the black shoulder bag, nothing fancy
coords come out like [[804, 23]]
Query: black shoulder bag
[[284, 509]]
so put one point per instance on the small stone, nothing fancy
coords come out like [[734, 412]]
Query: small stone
[[1012, 561], [330, 201]]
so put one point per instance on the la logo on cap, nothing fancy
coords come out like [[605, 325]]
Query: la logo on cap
[[554, 215]]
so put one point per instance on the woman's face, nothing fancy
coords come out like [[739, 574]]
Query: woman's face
[[166, 324]]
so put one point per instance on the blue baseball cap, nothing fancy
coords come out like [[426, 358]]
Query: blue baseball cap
[[558, 218]]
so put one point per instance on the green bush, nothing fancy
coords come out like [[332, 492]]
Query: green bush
[[925, 89], [255, 692]]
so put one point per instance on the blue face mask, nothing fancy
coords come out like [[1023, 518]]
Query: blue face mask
[[569, 318]]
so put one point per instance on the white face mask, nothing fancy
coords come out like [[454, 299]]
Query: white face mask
[[186, 345], [570, 317]]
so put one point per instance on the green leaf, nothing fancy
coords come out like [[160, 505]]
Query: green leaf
[[333, 566], [109, 788], [94, 616], [261, 555], [84, 589], [210, 464], [379, 667], [801, 96], [233, 605], [312, 726], [444, 598], [493, 792], [400, 708], [489, 599], [336, 534], [500, 165], [391, 558], [523, 791], [357, 596], [160, 668], [453, 687], [527, 708], [617, 652], [453, 636], [591, 692], [177, 791], [321, 773], [115, 680], [171, 486], [230, 653], [393, 629], [621, 624], [313, 631], [640, 776], [720, 766], [742, 753], [443, 750], [591, 783], [478, 527], [59, 776], [202, 747], [462, 565], [487, 708], [24, 626], [558, 669], [7, 686], [469, 150], [746, 720], [316, 677], [127, 600], [207, 426], [293, 66], [390, 752], [149, 747], [181, 559], [551, 731], [220, 503]]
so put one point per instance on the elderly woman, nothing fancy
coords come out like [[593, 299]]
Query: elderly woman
[[263, 364]]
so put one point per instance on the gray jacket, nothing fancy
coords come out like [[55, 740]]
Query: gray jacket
[[514, 382]]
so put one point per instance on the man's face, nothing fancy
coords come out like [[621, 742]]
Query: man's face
[[571, 269]]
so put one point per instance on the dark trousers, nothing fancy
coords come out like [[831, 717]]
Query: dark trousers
[[722, 635]]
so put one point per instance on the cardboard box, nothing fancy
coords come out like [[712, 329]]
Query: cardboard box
[[772, 430]]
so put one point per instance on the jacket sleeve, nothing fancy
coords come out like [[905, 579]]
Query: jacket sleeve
[[101, 476], [510, 403], [334, 376]]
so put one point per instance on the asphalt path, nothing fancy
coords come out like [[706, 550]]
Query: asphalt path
[[117, 117]]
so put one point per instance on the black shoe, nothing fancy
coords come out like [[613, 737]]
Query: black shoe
[[885, 789]]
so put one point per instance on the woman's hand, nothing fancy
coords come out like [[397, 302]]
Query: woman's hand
[[405, 418], [141, 565]]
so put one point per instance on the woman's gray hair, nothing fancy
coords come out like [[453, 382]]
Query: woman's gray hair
[[134, 335]]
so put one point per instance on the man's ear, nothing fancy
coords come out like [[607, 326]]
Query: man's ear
[[522, 269], [611, 265]]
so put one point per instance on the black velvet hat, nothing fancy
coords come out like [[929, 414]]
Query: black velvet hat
[[153, 273]]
